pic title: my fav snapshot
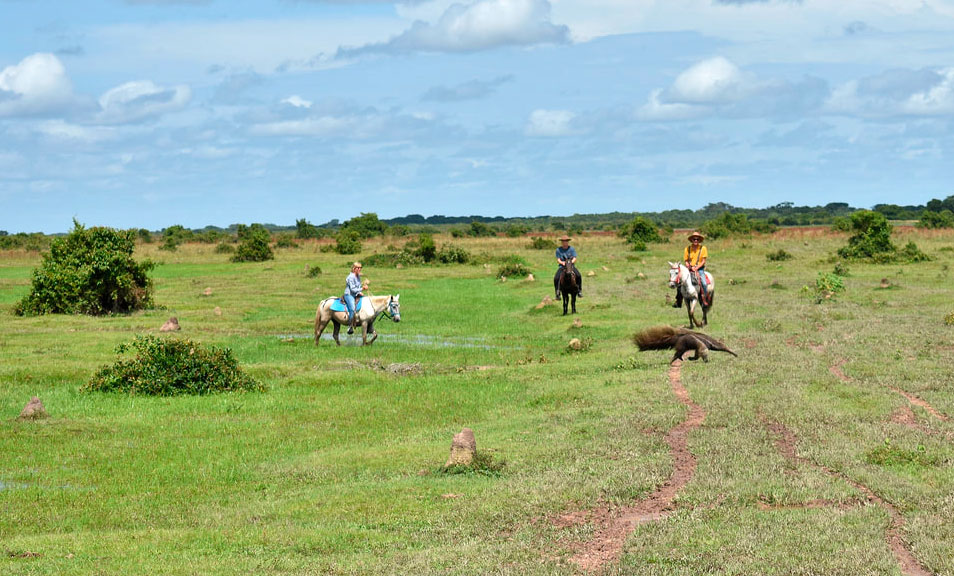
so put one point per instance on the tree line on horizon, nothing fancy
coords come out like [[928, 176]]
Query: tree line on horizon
[[934, 214]]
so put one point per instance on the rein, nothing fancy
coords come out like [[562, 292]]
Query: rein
[[385, 310]]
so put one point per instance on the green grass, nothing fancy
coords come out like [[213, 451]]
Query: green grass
[[336, 468]]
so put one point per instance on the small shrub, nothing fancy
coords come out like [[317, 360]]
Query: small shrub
[[949, 319], [541, 243], [89, 271], [640, 231], [841, 269], [911, 253], [254, 245], [514, 266], [348, 241], [286, 241], [170, 366], [779, 256], [450, 254], [827, 285], [313, 272], [224, 248]]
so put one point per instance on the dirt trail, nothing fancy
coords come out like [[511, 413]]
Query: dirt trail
[[613, 525], [786, 443], [839, 373]]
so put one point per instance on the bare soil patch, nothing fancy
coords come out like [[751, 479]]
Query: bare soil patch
[[614, 524]]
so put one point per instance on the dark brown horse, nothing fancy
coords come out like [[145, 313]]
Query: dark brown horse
[[568, 286]]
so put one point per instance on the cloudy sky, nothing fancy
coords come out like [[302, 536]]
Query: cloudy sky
[[149, 113]]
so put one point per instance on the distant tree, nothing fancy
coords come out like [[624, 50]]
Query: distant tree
[[366, 225], [253, 245], [347, 241], [480, 229], [640, 231], [942, 219], [305, 229], [89, 271]]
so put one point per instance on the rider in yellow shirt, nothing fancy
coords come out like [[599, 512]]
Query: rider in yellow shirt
[[694, 257]]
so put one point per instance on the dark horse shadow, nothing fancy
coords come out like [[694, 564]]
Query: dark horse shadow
[[568, 286]]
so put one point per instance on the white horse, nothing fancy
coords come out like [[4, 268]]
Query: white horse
[[371, 308], [680, 278]]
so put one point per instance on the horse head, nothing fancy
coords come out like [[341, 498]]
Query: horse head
[[394, 308], [674, 270]]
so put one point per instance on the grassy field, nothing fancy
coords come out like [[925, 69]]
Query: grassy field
[[336, 469]]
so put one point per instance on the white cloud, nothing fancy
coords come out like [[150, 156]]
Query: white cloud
[[135, 101], [481, 25], [939, 99], [714, 80], [550, 123], [656, 110], [322, 126], [37, 85], [297, 101], [896, 92]]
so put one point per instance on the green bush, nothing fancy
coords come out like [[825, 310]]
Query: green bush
[[224, 248], [364, 226], [450, 254], [779, 256], [827, 285], [253, 245], [514, 266], [313, 271], [170, 366], [347, 242], [932, 220], [727, 224], [872, 237], [640, 230], [286, 241], [481, 230], [541, 243], [89, 271]]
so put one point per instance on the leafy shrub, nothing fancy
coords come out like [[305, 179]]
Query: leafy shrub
[[727, 224], [170, 366], [872, 241], [949, 319], [541, 243], [305, 229], [481, 230], [932, 220], [224, 248], [36, 241], [779, 256], [367, 225], [841, 224], [286, 241], [347, 242], [516, 230], [426, 248], [89, 271], [450, 254], [313, 271], [514, 266], [841, 269], [640, 231], [827, 285], [254, 245]]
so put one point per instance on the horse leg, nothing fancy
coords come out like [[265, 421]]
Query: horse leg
[[337, 329], [691, 307], [566, 302], [574, 303], [319, 328]]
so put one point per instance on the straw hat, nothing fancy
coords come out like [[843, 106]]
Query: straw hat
[[696, 235], [565, 237]]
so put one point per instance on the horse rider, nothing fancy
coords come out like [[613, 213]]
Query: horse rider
[[354, 287], [694, 257], [566, 253]]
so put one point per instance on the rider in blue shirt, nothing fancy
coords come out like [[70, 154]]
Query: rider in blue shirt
[[353, 291], [565, 253]]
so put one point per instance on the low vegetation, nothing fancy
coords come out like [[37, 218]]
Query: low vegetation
[[336, 468], [170, 366]]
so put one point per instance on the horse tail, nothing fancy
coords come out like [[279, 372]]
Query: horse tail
[[658, 337]]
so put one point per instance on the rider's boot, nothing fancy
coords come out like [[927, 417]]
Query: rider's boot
[[678, 302], [351, 326]]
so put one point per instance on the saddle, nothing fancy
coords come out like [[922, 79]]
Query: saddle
[[339, 304], [704, 296]]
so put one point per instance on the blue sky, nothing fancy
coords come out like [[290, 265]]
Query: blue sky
[[149, 113]]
